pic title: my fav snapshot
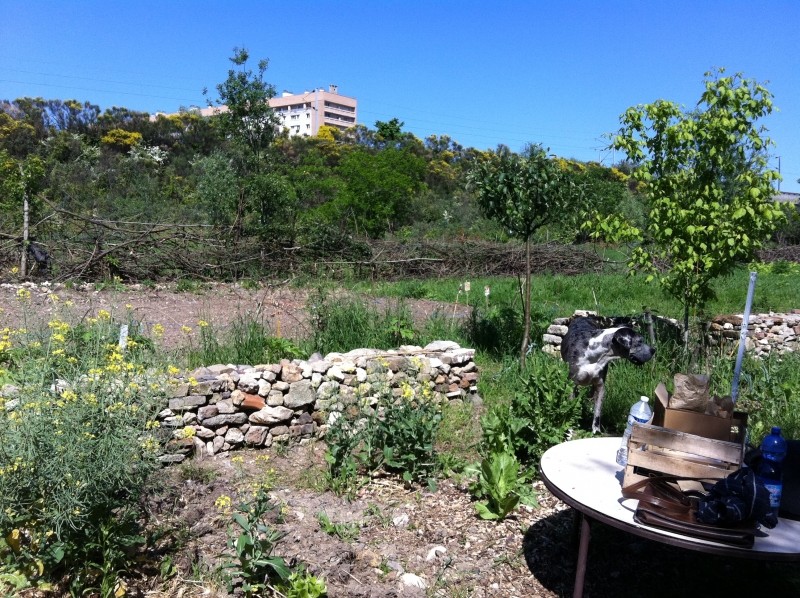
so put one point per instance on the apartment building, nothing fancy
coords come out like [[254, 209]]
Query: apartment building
[[304, 113]]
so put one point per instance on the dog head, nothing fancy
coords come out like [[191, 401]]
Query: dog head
[[628, 344]]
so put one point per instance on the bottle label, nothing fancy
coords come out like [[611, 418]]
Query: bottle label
[[635, 420], [774, 493]]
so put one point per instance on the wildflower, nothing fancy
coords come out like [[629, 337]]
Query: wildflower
[[223, 503], [53, 297], [149, 444], [152, 424], [192, 381], [187, 432], [103, 315], [128, 306], [158, 329], [202, 323], [69, 303], [186, 329], [237, 460], [23, 294]]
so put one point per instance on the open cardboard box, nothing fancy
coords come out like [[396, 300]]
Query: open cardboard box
[[730, 429]]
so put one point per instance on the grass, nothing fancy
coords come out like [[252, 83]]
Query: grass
[[608, 294]]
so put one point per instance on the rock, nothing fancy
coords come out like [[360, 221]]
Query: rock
[[187, 402], [300, 394], [291, 372], [413, 581], [271, 415], [226, 406], [256, 435], [253, 402], [234, 437], [441, 346], [230, 419], [206, 412]]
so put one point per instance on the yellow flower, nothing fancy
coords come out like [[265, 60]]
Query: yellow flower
[[192, 381], [69, 303], [237, 460], [53, 297], [202, 323], [186, 329], [14, 270], [128, 306], [158, 329], [223, 503], [103, 315], [172, 370], [23, 294]]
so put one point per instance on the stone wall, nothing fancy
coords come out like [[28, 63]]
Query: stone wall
[[224, 407], [765, 332]]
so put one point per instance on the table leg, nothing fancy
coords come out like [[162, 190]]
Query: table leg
[[583, 553]]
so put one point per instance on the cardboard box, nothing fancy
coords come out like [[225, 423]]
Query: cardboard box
[[729, 429]]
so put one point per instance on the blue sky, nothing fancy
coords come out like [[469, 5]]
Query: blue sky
[[485, 73]]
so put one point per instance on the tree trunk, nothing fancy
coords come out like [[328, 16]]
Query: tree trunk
[[526, 334], [23, 261]]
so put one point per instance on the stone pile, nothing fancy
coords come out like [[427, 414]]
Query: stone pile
[[224, 407]]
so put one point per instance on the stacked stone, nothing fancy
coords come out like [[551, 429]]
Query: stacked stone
[[224, 407], [765, 332]]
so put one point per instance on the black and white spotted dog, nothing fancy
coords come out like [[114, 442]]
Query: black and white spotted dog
[[588, 348]]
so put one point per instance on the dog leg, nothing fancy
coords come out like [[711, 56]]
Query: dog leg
[[599, 393]]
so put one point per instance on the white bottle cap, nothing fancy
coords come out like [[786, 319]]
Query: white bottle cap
[[644, 398]]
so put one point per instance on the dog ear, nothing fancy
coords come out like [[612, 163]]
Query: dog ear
[[623, 338]]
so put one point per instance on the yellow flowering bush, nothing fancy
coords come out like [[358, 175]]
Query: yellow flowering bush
[[76, 453]]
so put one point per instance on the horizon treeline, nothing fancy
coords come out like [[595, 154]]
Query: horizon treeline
[[120, 193]]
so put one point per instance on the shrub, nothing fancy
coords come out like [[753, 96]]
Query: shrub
[[540, 414], [76, 454], [397, 435]]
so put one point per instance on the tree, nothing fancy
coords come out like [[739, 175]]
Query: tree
[[523, 193], [248, 119], [710, 190], [20, 181], [379, 190]]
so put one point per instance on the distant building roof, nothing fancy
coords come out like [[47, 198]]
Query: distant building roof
[[788, 197]]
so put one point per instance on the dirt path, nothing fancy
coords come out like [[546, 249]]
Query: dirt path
[[282, 309]]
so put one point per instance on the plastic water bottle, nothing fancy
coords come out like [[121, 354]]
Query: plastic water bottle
[[640, 413], [770, 469]]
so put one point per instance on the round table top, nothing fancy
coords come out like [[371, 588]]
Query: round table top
[[585, 475]]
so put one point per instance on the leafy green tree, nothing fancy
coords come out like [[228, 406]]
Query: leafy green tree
[[380, 190], [710, 190], [523, 192], [246, 116]]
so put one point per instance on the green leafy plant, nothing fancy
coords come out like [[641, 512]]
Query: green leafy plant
[[253, 542], [396, 435], [497, 482], [539, 415], [344, 531], [304, 585]]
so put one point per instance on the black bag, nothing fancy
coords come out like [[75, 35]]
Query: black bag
[[662, 504]]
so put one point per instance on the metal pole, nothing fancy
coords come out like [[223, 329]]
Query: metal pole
[[743, 337]]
